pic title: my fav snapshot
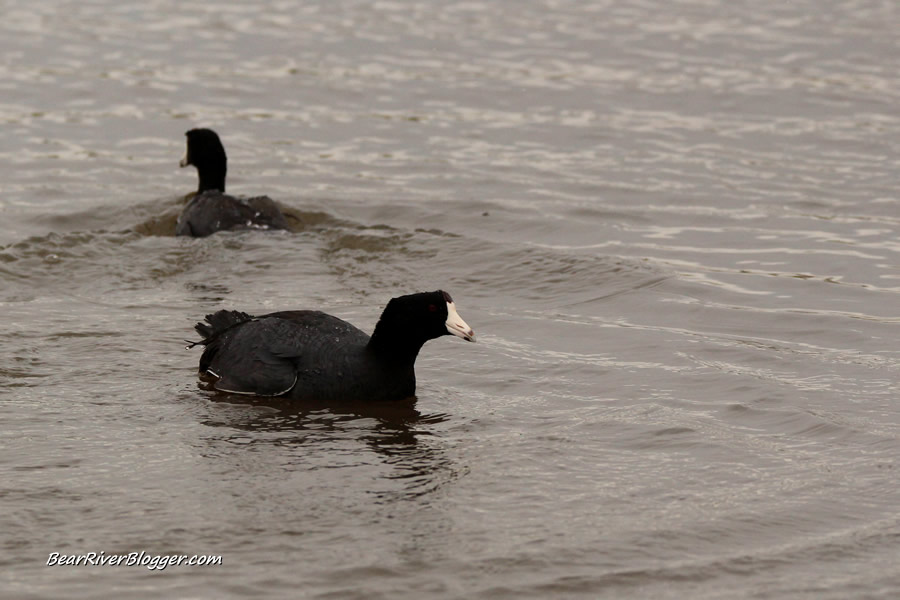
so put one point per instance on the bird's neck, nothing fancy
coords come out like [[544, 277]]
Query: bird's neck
[[211, 180], [388, 345]]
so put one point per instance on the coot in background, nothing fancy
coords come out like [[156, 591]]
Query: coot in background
[[211, 209], [310, 355]]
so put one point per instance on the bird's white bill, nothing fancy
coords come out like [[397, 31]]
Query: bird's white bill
[[185, 160], [457, 326]]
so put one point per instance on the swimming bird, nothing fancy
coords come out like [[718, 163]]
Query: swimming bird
[[311, 355], [211, 209]]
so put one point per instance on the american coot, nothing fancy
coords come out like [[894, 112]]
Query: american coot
[[211, 209], [310, 355]]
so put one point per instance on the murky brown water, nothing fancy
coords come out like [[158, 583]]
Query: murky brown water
[[673, 227]]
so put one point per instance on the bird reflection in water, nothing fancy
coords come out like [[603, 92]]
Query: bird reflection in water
[[323, 436]]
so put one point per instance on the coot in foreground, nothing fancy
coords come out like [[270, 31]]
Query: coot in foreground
[[310, 355]]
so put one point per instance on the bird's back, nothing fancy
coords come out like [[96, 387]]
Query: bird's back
[[213, 211], [307, 355]]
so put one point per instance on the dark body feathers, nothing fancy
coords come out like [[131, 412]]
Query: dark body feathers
[[213, 211]]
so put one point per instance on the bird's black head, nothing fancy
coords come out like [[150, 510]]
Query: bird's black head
[[205, 151], [409, 321]]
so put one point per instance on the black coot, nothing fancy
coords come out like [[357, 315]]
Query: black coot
[[211, 209], [310, 355]]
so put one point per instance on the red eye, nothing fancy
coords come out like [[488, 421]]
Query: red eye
[[432, 308]]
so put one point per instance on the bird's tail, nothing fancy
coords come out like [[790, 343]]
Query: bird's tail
[[216, 323]]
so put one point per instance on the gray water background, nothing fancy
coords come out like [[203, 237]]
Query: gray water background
[[673, 225]]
